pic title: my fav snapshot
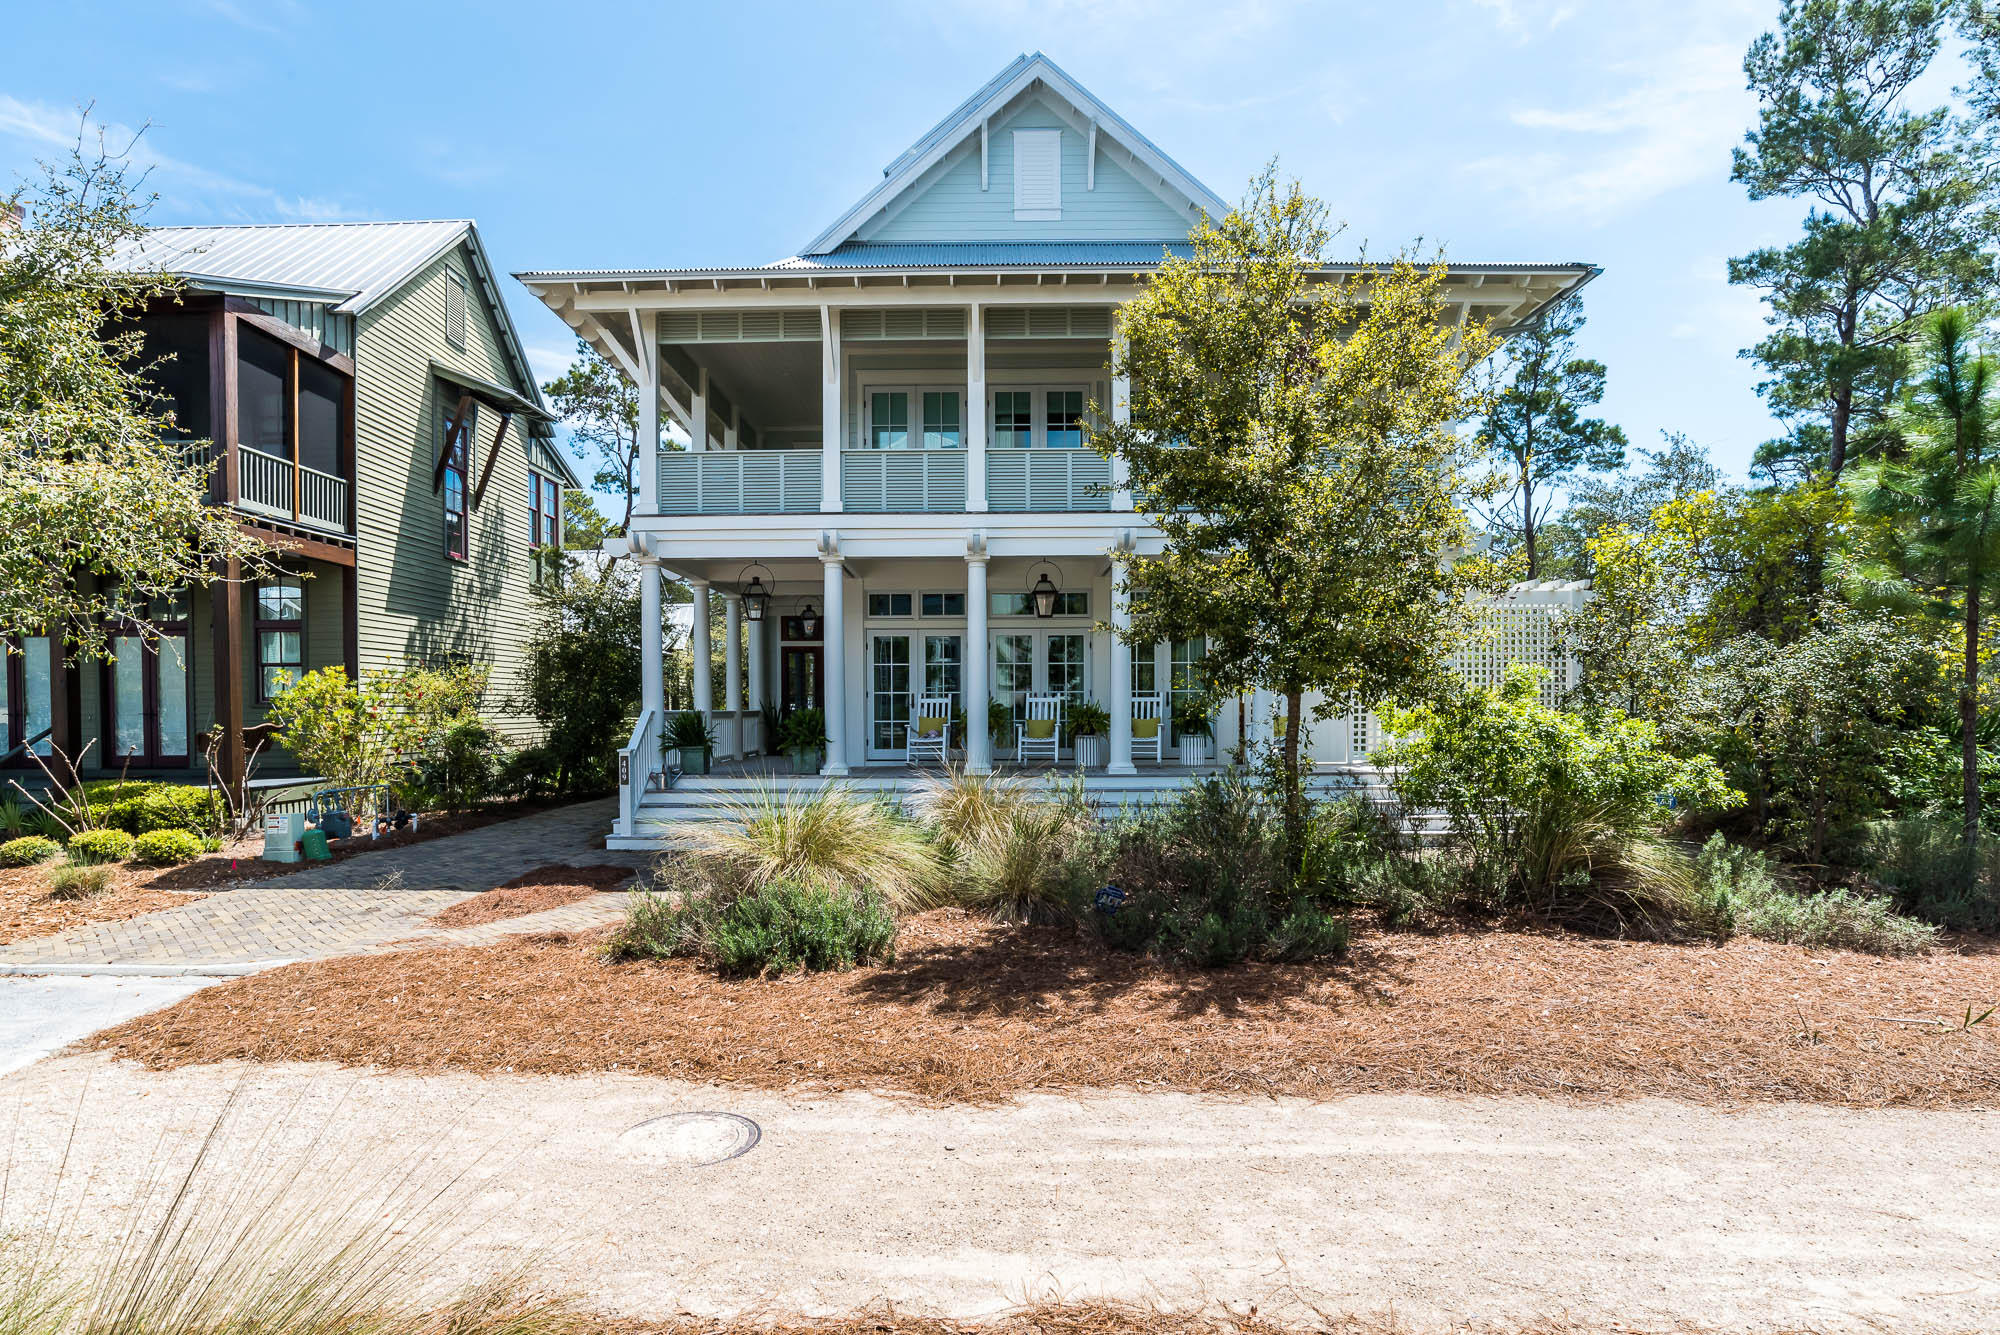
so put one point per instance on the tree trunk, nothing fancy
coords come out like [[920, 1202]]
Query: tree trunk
[[1295, 796], [1968, 712], [1528, 515]]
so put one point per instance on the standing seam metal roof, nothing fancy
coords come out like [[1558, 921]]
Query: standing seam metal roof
[[363, 261]]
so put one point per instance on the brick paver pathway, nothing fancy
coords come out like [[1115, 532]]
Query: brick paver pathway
[[341, 908]]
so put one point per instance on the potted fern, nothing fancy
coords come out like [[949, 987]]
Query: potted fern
[[689, 734], [803, 737], [1195, 727], [1088, 725]]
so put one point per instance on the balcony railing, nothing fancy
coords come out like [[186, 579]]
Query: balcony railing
[[267, 484], [903, 481], [740, 482], [1052, 480]]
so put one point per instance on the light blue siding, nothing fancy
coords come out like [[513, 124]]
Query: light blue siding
[[950, 206]]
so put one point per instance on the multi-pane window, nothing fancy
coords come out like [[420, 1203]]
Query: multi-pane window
[[1187, 674], [1013, 419], [941, 420], [889, 420], [544, 512], [942, 665], [889, 604], [1069, 603], [1064, 429], [1014, 672], [1066, 667], [1145, 670], [454, 447], [944, 604], [281, 615]]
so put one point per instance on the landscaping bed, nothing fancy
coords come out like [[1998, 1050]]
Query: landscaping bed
[[974, 1010], [542, 889]]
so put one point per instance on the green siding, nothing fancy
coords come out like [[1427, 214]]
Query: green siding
[[950, 206], [413, 603]]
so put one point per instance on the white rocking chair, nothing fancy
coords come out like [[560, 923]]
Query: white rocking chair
[[1041, 709], [1149, 709], [928, 736]]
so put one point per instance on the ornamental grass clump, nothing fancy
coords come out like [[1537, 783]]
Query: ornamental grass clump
[[962, 810], [827, 838], [70, 881], [1028, 858]]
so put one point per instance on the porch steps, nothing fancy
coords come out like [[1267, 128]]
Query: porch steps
[[705, 798]]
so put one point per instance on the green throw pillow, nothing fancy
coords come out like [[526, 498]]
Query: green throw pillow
[[1145, 728], [1041, 729], [929, 727]]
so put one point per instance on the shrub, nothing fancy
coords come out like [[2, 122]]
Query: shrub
[[27, 851], [781, 928], [92, 846], [533, 771], [452, 765], [828, 838], [167, 848], [78, 882], [1205, 881], [580, 676], [1739, 891], [1033, 860], [13, 815], [1535, 793], [802, 730], [1927, 868], [142, 807], [364, 734]]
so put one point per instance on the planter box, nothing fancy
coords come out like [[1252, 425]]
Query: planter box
[[693, 759], [1090, 751], [807, 761], [1194, 750]]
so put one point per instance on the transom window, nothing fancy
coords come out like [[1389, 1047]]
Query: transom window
[[889, 604], [939, 424], [1041, 418], [944, 604], [1069, 603]]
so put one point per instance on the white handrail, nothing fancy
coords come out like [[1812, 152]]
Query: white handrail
[[636, 763]]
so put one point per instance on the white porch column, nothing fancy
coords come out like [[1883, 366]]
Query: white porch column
[[1121, 675], [834, 636], [729, 432], [648, 464], [975, 412], [704, 681], [698, 412], [652, 665], [829, 408], [1260, 719], [732, 670], [1121, 413], [978, 741]]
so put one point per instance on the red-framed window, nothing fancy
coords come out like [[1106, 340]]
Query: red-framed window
[[544, 511], [454, 447]]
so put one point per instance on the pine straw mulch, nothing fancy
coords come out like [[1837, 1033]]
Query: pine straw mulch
[[975, 1011], [543, 888], [1111, 1318]]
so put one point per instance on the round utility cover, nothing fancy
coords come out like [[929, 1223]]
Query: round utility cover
[[697, 1139]]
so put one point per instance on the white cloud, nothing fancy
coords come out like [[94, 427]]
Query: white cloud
[[1526, 17], [48, 130], [1673, 124]]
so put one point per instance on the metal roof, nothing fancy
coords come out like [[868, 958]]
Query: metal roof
[[985, 254], [355, 264]]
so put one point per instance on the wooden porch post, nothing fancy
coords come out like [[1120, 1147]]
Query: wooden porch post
[[226, 610]]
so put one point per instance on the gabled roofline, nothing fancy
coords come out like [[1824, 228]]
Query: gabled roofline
[[1003, 88]]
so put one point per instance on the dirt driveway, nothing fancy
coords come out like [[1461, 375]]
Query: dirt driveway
[[1488, 1209]]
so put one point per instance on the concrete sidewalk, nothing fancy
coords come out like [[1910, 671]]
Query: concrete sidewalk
[[1481, 1211]]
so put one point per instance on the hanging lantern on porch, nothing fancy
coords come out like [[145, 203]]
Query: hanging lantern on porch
[[1043, 596], [808, 622], [756, 597]]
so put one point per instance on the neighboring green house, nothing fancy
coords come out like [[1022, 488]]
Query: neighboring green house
[[372, 411]]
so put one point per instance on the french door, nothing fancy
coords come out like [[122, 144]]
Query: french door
[[801, 677], [903, 667], [1037, 662], [27, 695], [146, 690]]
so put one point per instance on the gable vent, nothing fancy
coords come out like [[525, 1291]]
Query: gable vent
[[454, 311], [739, 326], [864, 326], [1037, 175], [1049, 322]]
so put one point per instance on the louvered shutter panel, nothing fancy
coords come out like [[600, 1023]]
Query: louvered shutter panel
[[454, 311], [1037, 175]]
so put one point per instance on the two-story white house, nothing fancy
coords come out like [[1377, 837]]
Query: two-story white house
[[887, 451]]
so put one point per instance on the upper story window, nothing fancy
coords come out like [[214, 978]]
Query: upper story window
[[262, 396], [454, 310], [544, 512], [1050, 419], [281, 619], [907, 418], [1038, 175], [454, 447]]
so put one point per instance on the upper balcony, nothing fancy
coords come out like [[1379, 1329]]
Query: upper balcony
[[776, 482]]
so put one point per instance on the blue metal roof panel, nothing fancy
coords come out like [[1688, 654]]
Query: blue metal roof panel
[[986, 254]]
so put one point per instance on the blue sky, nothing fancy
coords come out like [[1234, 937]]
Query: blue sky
[[673, 134]]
